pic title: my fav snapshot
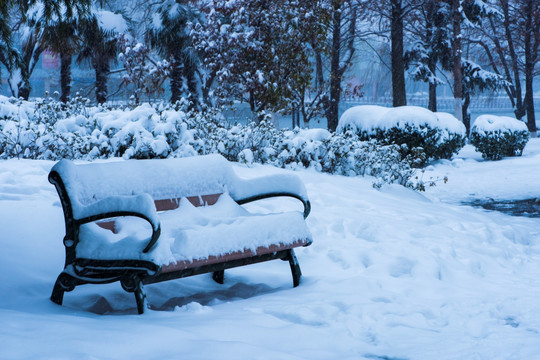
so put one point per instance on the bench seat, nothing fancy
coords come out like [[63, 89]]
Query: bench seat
[[192, 234]]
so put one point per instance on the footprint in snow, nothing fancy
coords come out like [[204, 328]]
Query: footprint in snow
[[401, 267]]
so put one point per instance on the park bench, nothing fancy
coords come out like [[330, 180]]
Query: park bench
[[145, 221]]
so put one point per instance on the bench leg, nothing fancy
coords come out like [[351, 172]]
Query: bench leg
[[64, 282], [134, 284], [219, 276], [140, 298], [295, 267]]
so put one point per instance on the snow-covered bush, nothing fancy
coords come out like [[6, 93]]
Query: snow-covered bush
[[415, 129], [499, 136], [47, 129], [453, 136]]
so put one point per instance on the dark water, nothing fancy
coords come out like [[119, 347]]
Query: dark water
[[526, 207]]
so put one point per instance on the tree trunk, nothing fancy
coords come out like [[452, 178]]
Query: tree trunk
[[432, 57], [24, 89], [456, 56], [31, 51], [466, 114], [65, 77], [519, 110], [24, 86], [332, 109], [510, 90], [398, 64], [189, 72], [532, 28], [432, 102], [205, 89], [102, 72], [176, 82], [319, 75]]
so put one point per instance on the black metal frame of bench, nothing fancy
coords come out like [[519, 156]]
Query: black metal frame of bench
[[133, 274]]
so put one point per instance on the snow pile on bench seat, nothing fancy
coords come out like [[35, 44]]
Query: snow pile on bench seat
[[194, 233]]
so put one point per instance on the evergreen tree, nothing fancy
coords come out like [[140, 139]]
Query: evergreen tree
[[8, 54], [63, 37], [510, 39], [431, 47], [35, 17], [168, 34], [99, 33]]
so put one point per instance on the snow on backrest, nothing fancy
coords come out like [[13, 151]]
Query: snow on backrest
[[161, 179]]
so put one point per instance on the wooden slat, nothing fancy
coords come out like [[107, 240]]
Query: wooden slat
[[108, 225], [167, 204], [236, 255], [204, 200]]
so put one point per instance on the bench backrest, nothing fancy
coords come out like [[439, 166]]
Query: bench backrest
[[199, 179], [162, 179]]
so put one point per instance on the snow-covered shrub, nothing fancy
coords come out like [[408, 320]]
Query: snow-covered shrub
[[18, 134], [47, 129], [499, 136], [415, 129], [413, 126], [301, 148], [453, 136]]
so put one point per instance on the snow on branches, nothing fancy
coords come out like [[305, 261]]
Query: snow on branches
[[254, 51], [145, 75]]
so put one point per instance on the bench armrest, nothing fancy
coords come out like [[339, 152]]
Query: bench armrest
[[141, 206], [272, 186]]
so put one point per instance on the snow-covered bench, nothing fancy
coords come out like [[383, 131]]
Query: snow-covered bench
[[145, 221]]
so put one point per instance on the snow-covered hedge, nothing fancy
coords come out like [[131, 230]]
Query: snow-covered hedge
[[46, 129], [438, 135], [499, 136]]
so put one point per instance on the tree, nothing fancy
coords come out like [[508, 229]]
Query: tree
[[431, 47], [456, 58], [8, 53], [99, 34], [399, 95], [510, 42], [36, 16], [531, 39], [393, 14], [466, 15], [169, 36], [475, 78], [256, 51], [343, 26], [63, 37]]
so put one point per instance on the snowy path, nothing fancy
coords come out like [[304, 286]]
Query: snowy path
[[392, 274]]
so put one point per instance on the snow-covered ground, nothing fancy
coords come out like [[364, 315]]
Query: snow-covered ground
[[392, 274]]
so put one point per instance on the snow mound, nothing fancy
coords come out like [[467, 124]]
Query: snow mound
[[402, 116], [368, 118], [450, 123], [490, 123], [361, 118]]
